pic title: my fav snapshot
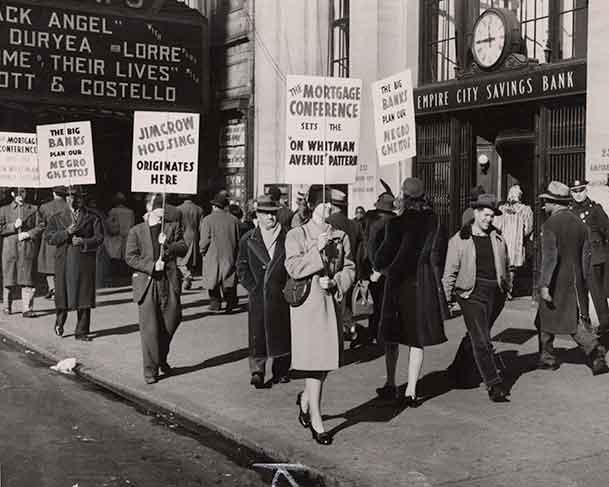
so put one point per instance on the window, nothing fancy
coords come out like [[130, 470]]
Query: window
[[553, 30], [339, 38]]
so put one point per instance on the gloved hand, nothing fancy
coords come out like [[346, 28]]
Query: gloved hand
[[23, 236], [18, 223]]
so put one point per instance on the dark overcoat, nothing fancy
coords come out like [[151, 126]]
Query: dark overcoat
[[191, 219], [19, 258], [264, 278], [75, 264], [46, 254], [565, 260], [139, 255], [412, 253], [219, 244]]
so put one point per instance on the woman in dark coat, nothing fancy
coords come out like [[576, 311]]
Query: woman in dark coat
[[411, 257], [77, 233], [261, 270]]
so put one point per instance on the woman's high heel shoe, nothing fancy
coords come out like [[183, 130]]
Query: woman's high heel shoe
[[58, 328], [303, 418], [324, 438]]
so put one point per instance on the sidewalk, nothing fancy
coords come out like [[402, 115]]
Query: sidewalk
[[555, 432]]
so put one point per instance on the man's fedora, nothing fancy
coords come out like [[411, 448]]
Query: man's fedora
[[486, 200], [266, 203], [556, 192]]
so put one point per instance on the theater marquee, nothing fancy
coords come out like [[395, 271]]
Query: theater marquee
[[74, 57], [507, 87]]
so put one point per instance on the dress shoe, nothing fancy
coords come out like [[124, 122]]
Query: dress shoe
[[50, 294], [187, 283], [497, 393], [151, 380], [303, 418], [543, 365], [281, 379], [257, 380], [6, 311], [82, 338], [58, 328], [324, 438], [412, 401], [388, 393], [166, 369], [29, 314], [599, 365]]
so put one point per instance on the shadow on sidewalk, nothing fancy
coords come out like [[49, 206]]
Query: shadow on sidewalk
[[113, 302], [120, 330], [362, 354], [217, 361], [195, 304], [107, 292]]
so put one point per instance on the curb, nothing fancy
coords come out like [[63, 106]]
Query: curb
[[238, 448]]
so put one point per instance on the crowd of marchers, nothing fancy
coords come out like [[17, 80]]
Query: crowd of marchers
[[308, 271]]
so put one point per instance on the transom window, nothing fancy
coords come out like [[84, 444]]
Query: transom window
[[339, 39]]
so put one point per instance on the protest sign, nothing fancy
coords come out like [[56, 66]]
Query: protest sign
[[394, 118], [19, 160], [65, 154], [165, 152], [322, 128]]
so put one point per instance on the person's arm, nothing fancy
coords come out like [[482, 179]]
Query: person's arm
[[300, 262], [452, 267], [204, 236], [345, 278], [36, 231], [134, 257], [177, 246], [94, 241], [528, 221], [243, 265], [7, 227], [56, 234], [549, 260], [388, 248]]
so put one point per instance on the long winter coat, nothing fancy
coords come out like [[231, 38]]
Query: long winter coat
[[412, 254], [565, 260], [191, 220], [75, 265], [46, 254], [19, 258], [264, 278], [119, 222], [219, 244], [316, 325]]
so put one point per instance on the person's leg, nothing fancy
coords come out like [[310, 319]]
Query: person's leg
[[7, 299], [257, 365], [169, 320], [83, 326], [214, 298], [392, 353], [415, 363], [61, 315], [547, 356], [313, 393], [27, 300], [186, 275], [149, 333], [230, 294], [376, 288], [599, 297], [50, 278], [595, 352], [281, 368]]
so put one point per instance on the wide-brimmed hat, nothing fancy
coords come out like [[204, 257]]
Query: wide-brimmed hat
[[220, 199], [385, 202], [413, 187], [266, 203], [338, 197], [486, 200], [578, 184], [60, 190], [556, 192]]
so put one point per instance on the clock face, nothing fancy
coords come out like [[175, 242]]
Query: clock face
[[489, 39]]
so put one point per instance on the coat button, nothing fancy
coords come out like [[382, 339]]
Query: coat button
[[264, 267]]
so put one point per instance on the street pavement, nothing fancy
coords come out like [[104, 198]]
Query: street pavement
[[58, 432], [554, 432]]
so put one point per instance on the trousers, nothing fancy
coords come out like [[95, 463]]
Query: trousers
[[27, 297], [480, 311], [585, 338], [83, 325], [280, 366], [596, 283], [230, 295]]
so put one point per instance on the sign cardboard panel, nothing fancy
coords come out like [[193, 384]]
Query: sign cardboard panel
[[19, 160], [323, 124], [65, 154], [394, 118], [165, 152]]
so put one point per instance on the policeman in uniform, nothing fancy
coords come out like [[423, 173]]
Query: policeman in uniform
[[597, 222]]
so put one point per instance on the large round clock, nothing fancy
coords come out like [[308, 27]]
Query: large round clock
[[496, 32]]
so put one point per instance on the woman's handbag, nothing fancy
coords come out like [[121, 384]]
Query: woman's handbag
[[296, 291], [362, 303]]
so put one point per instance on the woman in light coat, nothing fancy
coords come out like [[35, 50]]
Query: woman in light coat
[[318, 251]]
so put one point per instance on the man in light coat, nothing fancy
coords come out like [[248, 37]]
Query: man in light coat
[[20, 227], [191, 219], [261, 270], [218, 244]]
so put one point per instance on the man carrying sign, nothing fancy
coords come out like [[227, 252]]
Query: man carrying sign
[[19, 225]]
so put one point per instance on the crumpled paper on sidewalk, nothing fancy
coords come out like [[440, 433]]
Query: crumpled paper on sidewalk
[[65, 366]]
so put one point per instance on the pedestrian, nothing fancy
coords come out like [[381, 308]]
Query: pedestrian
[[597, 223], [20, 228], [284, 214], [119, 221], [261, 270], [322, 254], [46, 253], [218, 243], [414, 307], [468, 214], [302, 213], [360, 213], [516, 226], [191, 220], [477, 274], [244, 225], [374, 232], [565, 263], [77, 234], [152, 249]]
